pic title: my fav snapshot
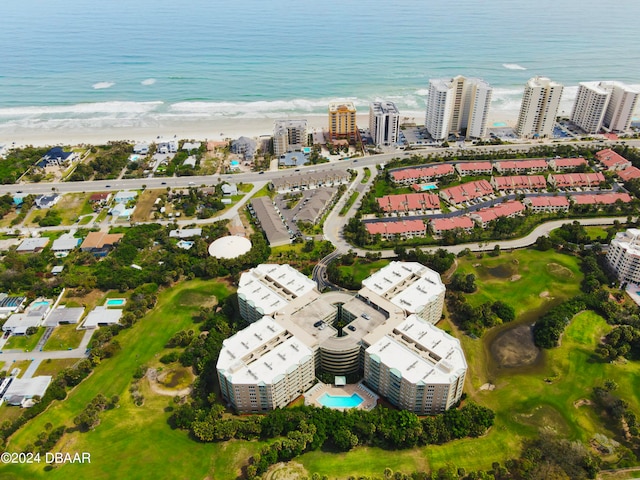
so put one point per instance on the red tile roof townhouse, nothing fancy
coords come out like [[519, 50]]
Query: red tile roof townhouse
[[522, 166], [424, 173], [566, 163], [474, 168], [629, 173], [567, 180], [506, 209], [409, 202], [601, 198], [466, 191], [547, 204], [519, 182], [405, 228], [440, 225], [612, 160]]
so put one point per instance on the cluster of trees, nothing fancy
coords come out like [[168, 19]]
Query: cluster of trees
[[6, 205], [342, 430], [476, 320], [616, 408], [51, 218], [23, 274], [463, 283], [440, 260], [110, 159], [89, 418], [46, 439], [622, 341], [199, 203], [17, 161], [549, 328]]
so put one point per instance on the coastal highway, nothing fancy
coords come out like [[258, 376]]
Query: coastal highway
[[208, 180]]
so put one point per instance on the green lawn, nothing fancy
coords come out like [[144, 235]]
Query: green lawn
[[63, 338], [523, 402], [361, 269], [525, 279], [24, 342], [136, 442], [597, 233], [54, 366], [350, 201]]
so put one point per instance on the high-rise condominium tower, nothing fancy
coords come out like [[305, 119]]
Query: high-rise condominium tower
[[384, 120], [459, 105], [342, 120], [591, 103], [539, 108], [289, 135]]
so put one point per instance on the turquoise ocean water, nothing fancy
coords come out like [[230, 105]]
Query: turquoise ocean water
[[80, 63]]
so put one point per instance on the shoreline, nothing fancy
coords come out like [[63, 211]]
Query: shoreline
[[211, 129]]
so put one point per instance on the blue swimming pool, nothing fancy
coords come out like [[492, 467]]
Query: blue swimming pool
[[39, 304], [115, 302], [499, 124], [430, 186], [340, 401]]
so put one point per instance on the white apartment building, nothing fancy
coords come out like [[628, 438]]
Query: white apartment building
[[590, 105], [459, 105], [384, 122], [417, 367], [264, 367], [617, 117], [624, 255], [273, 360], [289, 135], [410, 286], [539, 108], [267, 288]]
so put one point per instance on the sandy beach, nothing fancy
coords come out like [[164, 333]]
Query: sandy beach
[[218, 128]]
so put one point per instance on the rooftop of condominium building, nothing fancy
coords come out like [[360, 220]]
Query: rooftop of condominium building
[[283, 125], [420, 352], [408, 285], [270, 287], [264, 351], [629, 240], [542, 82], [337, 106], [383, 107]]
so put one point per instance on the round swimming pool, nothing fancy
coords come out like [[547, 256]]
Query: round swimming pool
[[340, 401]]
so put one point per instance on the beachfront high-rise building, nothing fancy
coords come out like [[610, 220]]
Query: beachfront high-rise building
[[624, 256], [458, 106], [289, 135], [539, 108], [384, 122], [591, 103], [342, 121], [624, 99]]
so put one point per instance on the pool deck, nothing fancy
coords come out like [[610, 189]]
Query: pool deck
[[634, 293], [370, 399]]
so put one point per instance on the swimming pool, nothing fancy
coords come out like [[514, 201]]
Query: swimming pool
[[115, 302], [340, 401], [235, 163], [428, 186], [39, 304], [499, 124]]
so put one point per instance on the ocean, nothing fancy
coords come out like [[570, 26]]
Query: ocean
[[82, 64]]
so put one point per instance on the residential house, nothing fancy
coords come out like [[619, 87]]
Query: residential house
[[398, 229], [100, 243], [519, 182], [56, 157], [600, 198], [244, 146], [538, 204], [141, 148], [521, 167], [628, 173], [167, 147], [442, 225], [425, 173], [612, 161], [474, 168], [564, 164], [99, 199], [65, 244], [191, 146], [185, 233], [466, 192], [507, 209], [47, 201], [121, 212], [125, 196], [576, 180], [229, 189], [32, 245], [411, 202]]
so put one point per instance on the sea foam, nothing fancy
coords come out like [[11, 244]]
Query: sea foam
[[102, 85], [513, 66], [148, 81]]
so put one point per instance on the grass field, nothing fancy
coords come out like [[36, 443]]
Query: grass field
[[144, 205], [361, 269], [54, 366], [136, 442], [523, 402], [24, 342], [63, 338], [525, 279], [347, 206], [597, 233]]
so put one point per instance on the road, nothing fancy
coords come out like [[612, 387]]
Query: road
[[208, 180]]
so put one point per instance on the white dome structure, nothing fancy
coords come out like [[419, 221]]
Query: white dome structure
[[231, 246]]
